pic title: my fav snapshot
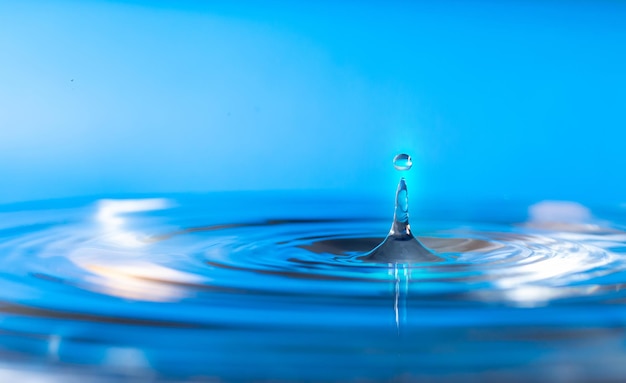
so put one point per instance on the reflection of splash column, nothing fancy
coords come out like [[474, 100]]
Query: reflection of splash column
[[401, 292]]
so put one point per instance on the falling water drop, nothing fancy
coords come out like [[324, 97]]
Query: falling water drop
[[402, 162], [401, 246]]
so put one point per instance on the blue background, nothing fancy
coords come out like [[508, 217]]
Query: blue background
[[523, 100]]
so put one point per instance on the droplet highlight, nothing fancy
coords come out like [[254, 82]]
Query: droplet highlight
[[402, 162]]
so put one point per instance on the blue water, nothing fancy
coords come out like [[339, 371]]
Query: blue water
[[274, 287]]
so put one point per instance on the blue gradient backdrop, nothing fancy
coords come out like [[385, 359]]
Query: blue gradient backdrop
[[523, 100]]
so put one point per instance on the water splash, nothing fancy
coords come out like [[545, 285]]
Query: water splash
[[400, 246]]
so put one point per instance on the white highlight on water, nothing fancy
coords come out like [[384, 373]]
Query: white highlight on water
[[110, 215]]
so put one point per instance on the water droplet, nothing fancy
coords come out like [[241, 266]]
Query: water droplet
[[402, 161]]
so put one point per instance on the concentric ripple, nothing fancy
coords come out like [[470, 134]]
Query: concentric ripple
[[130, 286]]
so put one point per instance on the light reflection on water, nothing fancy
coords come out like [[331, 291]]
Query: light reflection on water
[[192, 287]]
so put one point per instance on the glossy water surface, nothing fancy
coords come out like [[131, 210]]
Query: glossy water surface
[[278, 287]]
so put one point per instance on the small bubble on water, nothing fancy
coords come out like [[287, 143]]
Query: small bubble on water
[[402, 162]]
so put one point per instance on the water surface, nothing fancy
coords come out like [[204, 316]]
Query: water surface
[[276, 286]]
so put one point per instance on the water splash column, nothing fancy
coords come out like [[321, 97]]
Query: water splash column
[[400, 246]]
